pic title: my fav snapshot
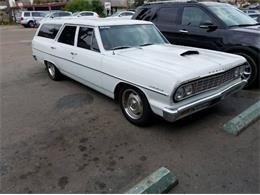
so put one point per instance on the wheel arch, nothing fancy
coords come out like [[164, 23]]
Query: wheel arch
[[122, 84], [247, 50]]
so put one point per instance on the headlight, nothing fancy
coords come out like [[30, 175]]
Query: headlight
[[242, 69], [188, 90], [183, 92], [237, 72], [179, 95]]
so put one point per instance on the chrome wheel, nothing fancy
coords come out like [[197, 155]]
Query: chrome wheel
[[132, 104], [51, 69], [247, 72]]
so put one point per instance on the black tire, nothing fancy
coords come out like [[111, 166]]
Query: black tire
[[145, 115], [253, 80], [53, 72], [31, 24]]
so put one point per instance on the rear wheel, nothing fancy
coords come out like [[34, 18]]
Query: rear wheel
[[135, 106], [31, 24], [251, 71], [53, 72]]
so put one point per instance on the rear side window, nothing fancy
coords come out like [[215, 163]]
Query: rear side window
[[49, 30], [27, 14], [38, 14], [68, 35], [167, 15]]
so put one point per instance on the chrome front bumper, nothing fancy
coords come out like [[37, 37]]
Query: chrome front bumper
[[172, 115]]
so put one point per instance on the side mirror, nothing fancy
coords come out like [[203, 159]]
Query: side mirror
[[208, 26]]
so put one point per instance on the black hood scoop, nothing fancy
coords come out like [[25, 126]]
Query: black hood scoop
[[190, 52]]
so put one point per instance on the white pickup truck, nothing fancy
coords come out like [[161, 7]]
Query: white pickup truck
[[132, 62]]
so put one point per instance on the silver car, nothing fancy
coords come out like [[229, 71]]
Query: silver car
[[31, 18]]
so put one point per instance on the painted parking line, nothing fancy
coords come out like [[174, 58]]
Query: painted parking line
[[158, 182], [243, 120]]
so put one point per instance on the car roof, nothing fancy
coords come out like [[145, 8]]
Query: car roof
[[162, 3], [95, 22]]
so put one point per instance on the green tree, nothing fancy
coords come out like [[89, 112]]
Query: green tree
[[85, 5], [97, 7], [78, 5], [254, 1]]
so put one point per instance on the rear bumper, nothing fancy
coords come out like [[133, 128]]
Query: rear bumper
[[173, 114]]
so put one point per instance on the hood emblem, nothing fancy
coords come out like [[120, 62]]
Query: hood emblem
[[217, 71]]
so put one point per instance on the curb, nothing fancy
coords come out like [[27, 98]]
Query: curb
[[243, 120], [158, 182]]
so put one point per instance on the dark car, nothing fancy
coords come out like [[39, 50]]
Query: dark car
[[210, 25], [255, 17]]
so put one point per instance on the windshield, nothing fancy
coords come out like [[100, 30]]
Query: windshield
[[232, 16], [125, 36]]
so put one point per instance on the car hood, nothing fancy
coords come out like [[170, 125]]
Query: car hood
[[248, 29], [167, 59]]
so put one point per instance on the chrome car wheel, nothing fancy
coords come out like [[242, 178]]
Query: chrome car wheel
[[132, 104], [247, 72], [51, 69]]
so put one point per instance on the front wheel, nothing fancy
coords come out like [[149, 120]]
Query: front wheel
[[135, 106]]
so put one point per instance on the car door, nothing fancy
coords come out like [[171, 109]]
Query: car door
[[87, 57], [166, 20], [199, 29], [63, 49]]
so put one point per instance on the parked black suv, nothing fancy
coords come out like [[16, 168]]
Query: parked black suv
[[210, 25]]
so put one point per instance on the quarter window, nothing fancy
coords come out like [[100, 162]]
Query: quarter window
[[68, 35], [49, 30], [193, 16], [87, 39]]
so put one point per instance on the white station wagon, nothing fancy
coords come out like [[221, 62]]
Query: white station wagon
[[132, 62]]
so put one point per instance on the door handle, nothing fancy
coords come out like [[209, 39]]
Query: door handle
[[53, 47], [183, 31], [74, 54]]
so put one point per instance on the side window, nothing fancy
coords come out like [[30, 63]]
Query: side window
[[87, 14], [55, 15], [67, 36], [37, 14], [87, 39], [94, 43], [193, 16], [167, 15], [49, 30], [27, 14], [62, 14], [144, 14], [128, 14]]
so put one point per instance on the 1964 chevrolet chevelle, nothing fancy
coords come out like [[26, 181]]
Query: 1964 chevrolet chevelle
[[132, 62]]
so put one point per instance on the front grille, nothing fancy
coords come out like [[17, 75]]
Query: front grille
[[210, 82]]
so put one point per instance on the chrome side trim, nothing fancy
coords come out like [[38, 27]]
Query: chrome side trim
[[129, 82]]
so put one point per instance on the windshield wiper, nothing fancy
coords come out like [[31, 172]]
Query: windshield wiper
[[146, 44], [120, 47], [241, 25]]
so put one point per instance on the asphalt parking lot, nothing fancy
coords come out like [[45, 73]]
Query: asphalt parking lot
[[63, 137]]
